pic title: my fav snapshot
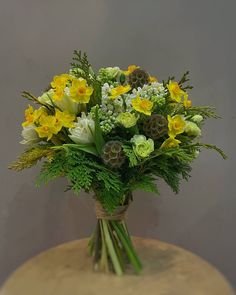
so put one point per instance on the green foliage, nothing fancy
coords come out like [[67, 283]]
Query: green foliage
[[208, 146], [184, 80], [51, 169], [182, 154], [31, 157], [170, 170], [98, 137], [204, 111], [81, 67], [171, 164], [88, 148], [84, 172], [145, 183], [129, 152]]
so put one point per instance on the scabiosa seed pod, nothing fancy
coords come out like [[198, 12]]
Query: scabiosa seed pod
[[112, 154], [138, 78], [155, 127]]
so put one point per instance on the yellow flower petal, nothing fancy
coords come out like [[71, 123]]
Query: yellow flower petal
[[176, 93], [170, 142], [176, 125], [152, 79], [119, 90], [130, 69], [142, 105], [80, 92]]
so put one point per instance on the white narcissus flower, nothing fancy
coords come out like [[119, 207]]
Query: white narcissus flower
[[84, 130], [30, 135]]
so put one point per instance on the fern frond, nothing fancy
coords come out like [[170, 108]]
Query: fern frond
[[204, 111], [129, 152], [145, 183]]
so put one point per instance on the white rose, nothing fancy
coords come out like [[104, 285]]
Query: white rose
[[83, 130], [30, 135]]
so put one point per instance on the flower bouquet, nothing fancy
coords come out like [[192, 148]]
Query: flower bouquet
[[111, 133]]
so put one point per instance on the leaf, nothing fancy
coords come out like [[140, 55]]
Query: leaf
[[212, 147], [145, 183], [129, 152], [88, 148], [98, 138]]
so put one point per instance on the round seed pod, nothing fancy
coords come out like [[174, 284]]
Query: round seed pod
[[138, 78], [112, 154], [155, 127]]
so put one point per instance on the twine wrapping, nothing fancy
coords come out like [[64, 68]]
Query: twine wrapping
[[118, 214]]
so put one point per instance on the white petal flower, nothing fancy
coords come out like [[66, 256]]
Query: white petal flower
[[30, 135], [83, 130]]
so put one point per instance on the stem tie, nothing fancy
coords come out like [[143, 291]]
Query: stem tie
[[118, 214]]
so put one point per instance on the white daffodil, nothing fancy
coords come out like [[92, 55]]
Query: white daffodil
[[84, 130], [30, 135]]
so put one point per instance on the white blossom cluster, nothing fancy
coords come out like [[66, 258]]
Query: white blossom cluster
[[109, 109], [155, 91]]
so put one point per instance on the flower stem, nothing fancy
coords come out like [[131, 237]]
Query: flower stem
[[112, 248]]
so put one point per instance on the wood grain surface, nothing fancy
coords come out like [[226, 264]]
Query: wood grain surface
[[67, 270]]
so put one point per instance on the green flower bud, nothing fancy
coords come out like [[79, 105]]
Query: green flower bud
[[108, 74], [192, 129], [142, 147], [197, 119], [127, 119]]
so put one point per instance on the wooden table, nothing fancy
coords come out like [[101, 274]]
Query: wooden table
[[67, 270]]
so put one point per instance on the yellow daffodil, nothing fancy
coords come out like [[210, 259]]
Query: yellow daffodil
[[176, 125], [29, 116], [119, 90], [60, 81], [48, 127], [176, 93], [152, 79], [64, 119], [59, 84], [32, 115], [187, 102], [142, 105], [170, 142], [80, 92], [58, 94], [130, 69]]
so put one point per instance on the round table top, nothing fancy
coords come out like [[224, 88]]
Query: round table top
[[67, 270]]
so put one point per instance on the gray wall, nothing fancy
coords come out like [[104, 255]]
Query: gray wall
[[165, 37]]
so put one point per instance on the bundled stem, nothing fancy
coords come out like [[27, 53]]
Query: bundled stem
[[112, 248]]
